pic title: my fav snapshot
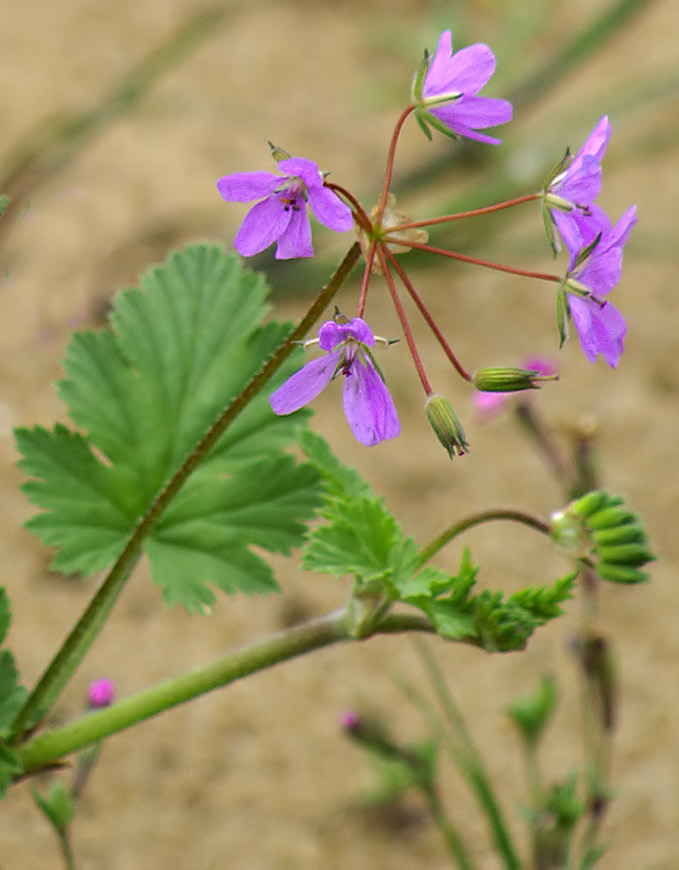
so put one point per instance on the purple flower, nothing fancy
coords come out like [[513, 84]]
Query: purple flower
[[489, 405], [101, 693], [445, 90], [282, 215], [593, 272], [368, 407], [569, 195]]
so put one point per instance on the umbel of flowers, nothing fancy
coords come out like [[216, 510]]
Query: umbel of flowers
[[445, 98]]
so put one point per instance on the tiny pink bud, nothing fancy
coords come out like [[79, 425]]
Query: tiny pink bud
[[101, 693], [350, 720]]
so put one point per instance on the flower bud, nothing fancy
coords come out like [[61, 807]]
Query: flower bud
[[277, 153], [445, 423], [509, 379], [101, 693]]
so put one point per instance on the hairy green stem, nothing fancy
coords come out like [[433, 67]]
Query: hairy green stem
[[487, 516], [46, 749], [72, 651]]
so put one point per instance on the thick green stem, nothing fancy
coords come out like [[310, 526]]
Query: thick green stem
[[46, 749], [71, 653]]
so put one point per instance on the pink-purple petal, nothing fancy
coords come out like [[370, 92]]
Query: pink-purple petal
[[469, 114], [466, 72], [597, 141], [368, 407], [330, 210], [601, 330], [332, 334], [295, 241], [263, 224], [246, 186], [300, 167], [305, 385], [581, 183]]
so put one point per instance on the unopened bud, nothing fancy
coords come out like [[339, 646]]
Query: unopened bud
[[509, 380], [277, 153], [101, 693], [447, 426]]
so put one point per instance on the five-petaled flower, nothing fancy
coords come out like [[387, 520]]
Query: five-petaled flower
[[368, 407], [568, 197], [282, 214], [446, 87], [592, 273]]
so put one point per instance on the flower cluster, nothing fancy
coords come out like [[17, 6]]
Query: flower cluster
[[445, 98]]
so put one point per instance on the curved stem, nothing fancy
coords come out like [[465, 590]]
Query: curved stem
[[88, 626], [390, 164], [517, 516], [45, 749]]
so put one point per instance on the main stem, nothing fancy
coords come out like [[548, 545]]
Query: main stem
[[46, 749], [74, 648]]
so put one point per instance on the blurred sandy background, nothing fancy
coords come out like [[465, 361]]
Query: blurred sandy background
[[259, 776]]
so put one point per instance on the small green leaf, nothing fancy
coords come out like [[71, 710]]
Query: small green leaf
[[57, 806], [10, 767], [144, 392], [12, 695], [360, 536]]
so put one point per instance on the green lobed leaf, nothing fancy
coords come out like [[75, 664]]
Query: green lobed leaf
[[144, 392], [360, 535]]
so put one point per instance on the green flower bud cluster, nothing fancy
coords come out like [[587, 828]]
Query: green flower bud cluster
[[614, 536]]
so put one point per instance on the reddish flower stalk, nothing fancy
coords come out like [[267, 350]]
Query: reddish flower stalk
[[427, 316], [475, 212], [390, 163], [404, 322], [489, 264]]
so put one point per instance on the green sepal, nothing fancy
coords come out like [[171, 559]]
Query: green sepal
[[563, 314], [626, 554], [632, 533], [531, 713], [422, 124], [621, 573], [57, 806], [420, 75]]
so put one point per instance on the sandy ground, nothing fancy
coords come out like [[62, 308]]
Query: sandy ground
[[259, 776]]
